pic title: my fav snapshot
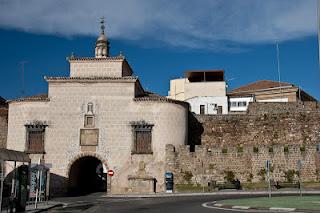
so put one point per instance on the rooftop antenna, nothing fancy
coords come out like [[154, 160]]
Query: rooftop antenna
[[230, 79], [22, 64], [278, 67]]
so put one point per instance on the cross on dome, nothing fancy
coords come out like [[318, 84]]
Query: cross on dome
[[102, 27]]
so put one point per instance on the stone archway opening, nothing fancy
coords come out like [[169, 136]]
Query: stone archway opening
[[86, 176]]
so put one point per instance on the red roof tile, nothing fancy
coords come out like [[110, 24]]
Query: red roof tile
[[259, 85], [40, 97]]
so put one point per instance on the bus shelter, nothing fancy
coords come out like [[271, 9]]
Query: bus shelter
[[20, 177]]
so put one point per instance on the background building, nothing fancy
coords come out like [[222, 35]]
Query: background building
[[265, 91], [205, 91]]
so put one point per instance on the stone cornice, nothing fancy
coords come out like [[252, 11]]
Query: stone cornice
[[91, 79], [79, 59]]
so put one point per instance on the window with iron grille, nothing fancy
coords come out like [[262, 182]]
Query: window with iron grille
[[35, 139], [142, 137]]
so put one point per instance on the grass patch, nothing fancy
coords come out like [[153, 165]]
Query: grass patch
[[311, 185], [190, 188], [252, 186], [305, 202]]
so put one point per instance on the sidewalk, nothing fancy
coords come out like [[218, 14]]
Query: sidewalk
[[43, 206], [288, 192]]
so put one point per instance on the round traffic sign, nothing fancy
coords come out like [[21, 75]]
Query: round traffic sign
[[110, 172]]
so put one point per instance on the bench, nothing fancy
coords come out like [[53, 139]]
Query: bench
[[279, 185], [229, 185]]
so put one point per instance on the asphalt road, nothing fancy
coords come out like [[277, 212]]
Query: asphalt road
[[97, 203]]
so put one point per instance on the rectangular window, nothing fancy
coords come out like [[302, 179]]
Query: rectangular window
[[202, 110], [142, 143], [88, 121], [142, 133], [242, 104], [35, 140], [219, 110], [233, 104]]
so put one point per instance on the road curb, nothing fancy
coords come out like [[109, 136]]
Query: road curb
[[317, 192], [241, 207]]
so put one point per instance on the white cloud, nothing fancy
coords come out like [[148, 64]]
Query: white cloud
[[185, 23]]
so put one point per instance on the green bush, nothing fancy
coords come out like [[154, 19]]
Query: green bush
[[240, 149], [262, 173], [289, 175], [187, 175], [211, 166], [229, 176], [249, 178], [271, 149], [224, 150]]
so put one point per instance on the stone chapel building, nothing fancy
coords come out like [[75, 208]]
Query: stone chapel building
[[97, 119]]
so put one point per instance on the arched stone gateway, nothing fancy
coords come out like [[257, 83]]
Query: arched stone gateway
[[86, 175]]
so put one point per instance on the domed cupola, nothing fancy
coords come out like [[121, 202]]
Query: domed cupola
[[102, 44]]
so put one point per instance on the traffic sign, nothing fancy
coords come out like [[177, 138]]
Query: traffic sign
[[110, 173]]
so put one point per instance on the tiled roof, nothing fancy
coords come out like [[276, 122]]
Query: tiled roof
[[259, 85], [73, 58], [40, 97], [158, 98], [128, 78]]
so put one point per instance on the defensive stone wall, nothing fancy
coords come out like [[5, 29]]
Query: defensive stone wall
[[247, 163], [240, 144], [264, 124]]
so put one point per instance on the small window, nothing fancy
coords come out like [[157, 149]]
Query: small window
[[89, 121], [242, 104], [202, 109], [219, 110], [90, 108], [233, 104]]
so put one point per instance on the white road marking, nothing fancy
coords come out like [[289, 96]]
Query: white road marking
[[282, 209], [210, 205]]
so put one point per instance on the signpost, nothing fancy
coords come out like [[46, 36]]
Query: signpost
[[110, 174], [299, 166], [268, 176]]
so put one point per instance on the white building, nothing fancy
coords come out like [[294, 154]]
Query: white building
[[265, 91], [205, 91]]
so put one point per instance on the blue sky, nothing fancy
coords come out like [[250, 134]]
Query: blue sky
[[161, 39]]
